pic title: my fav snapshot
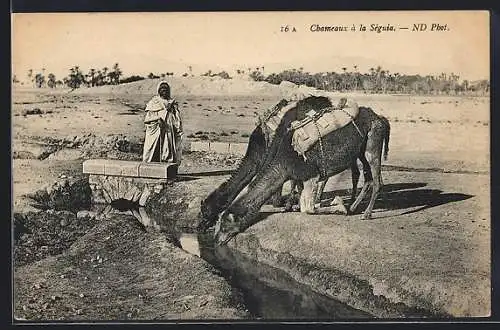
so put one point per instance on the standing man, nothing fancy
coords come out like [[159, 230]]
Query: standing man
[[163, 140]]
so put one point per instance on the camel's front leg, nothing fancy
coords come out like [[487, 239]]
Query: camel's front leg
[[308, 195], [293, 198], [319, 192]]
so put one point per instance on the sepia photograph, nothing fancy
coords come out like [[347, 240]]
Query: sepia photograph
[[250, 166]]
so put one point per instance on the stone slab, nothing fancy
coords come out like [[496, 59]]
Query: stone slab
[[219, 147], [134, 169], [200, 146], [154, 170], [122, 168], [94, 166], [238, 148]]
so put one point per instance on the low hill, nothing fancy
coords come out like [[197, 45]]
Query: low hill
[[206, 86]]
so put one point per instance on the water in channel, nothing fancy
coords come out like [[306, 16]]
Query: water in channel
[[269, 293]]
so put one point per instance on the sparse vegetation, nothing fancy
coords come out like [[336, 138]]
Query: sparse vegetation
[[376, 80], [131, 79]]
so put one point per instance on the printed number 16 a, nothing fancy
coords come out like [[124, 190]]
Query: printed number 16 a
[[286, 28]]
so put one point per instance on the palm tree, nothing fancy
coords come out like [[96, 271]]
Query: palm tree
[[52, 80], [355, 77], [99, 78], [105, 75], [92, 77], [43, 75], [344, 78], [383, 80], [39, 80], [117, 73], [30, 75]]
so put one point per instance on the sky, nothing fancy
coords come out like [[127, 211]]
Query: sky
[[170, 42]]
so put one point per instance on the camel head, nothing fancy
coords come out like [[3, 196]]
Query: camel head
[[226, 228], [209, 212]]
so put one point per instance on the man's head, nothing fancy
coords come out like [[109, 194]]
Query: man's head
[[164, 90]]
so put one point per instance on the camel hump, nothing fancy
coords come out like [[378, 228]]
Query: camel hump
[[273, 119], [342, 103], [321, 122], [347, 105]]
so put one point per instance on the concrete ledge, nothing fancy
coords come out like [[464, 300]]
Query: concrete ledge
[[133, 169], [200, 146], [220, 147], [112, 180], [238, 148]]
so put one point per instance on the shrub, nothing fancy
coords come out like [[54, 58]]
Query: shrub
[[131, 79]]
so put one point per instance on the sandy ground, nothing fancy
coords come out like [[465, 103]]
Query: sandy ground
[[448, 225]]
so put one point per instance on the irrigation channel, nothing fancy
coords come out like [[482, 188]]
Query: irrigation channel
[[269, 293]]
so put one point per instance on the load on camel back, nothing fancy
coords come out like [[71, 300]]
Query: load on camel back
[[318, 124], [303, 111]]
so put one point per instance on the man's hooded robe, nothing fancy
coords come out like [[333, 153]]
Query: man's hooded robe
[[163, 139]]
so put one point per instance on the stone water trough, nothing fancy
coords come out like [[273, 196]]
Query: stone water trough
[[112, 180]]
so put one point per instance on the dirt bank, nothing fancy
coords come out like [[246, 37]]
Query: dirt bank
[[117, 271], [123, 270], [425, 252]]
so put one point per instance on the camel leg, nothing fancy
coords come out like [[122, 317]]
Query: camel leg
[[291, 204], [367, 173], [375, 190], [299, 185], [373, 154], [367, 177], [361, 195], [276, 198], [319, 192], [308, 195], [355, 180]]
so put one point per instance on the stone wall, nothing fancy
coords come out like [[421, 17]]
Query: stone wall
[[108, 188]]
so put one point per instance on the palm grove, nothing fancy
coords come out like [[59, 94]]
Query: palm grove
[[376, 80], [76, 77]]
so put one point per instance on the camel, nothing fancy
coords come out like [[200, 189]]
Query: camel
[[257, 150], [259, 142], [364, 139], [223, 196]]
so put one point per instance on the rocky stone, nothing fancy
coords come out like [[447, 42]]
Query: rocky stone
[[86, 214], [106, 189], [144, 196]]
